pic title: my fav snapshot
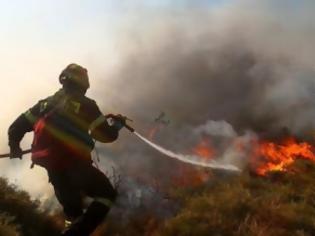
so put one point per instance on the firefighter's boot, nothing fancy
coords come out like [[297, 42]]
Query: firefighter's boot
[[88, 222]]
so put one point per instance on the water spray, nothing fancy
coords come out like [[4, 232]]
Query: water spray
[[190, 159]]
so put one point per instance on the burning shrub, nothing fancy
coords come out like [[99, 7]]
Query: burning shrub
[[281, 203], [271, 156]]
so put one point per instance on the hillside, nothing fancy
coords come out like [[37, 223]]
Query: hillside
[[281, 203], [19, 215]]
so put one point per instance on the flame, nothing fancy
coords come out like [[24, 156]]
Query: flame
[[271, 156], [264, 155], [204, 149], [195, 176]]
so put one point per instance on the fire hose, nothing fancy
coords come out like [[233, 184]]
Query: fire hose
[[190, 159]]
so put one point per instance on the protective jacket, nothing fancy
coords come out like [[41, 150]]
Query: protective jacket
[[64, 128]]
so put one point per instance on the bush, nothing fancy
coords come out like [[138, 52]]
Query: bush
[[282, 203], [279, 204], [19, 215]]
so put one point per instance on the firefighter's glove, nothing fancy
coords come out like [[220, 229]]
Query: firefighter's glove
[[119, 121], [15, 152]]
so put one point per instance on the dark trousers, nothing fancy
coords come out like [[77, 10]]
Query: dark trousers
[[80, 180]]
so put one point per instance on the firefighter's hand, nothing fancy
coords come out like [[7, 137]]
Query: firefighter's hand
[[16, 152], [119, 121]]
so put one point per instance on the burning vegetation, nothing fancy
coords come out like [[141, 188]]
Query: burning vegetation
[[204, 149], [200, 201], [245, 205], [271, 156], [234, 205], [230, 205], [264, 156]]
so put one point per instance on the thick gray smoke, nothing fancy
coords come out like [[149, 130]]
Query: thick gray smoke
[[247, 64]]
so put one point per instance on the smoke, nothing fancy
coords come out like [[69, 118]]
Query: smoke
[[231, 147], [248, 65], [217, 128], [244, 63]]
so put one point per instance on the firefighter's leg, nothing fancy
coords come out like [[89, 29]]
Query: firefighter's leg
[[68, 195], [97, 186]]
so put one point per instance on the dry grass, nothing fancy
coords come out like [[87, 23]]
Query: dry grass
[[279, 204], [20, 215]]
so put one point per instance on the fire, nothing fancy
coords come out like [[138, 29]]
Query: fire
[[204, 149], [276, 157], [263, 155], [188, 176]]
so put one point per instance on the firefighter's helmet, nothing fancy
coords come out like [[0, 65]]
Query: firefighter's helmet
[[75, 75]]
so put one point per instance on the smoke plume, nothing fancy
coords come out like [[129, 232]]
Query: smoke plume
[[241, 70]]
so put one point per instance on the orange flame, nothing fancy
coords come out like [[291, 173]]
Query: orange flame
[[204, 149], [276, 157], [189, 176]]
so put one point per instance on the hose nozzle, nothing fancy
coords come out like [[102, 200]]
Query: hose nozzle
[[129, 128], [123, 120]]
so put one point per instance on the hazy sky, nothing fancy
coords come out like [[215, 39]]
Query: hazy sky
[[39, 38]]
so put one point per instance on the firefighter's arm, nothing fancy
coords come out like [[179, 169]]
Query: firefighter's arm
[[23, 124], [103, 128]]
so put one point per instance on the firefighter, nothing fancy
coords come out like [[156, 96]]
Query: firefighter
[[65, 126]]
